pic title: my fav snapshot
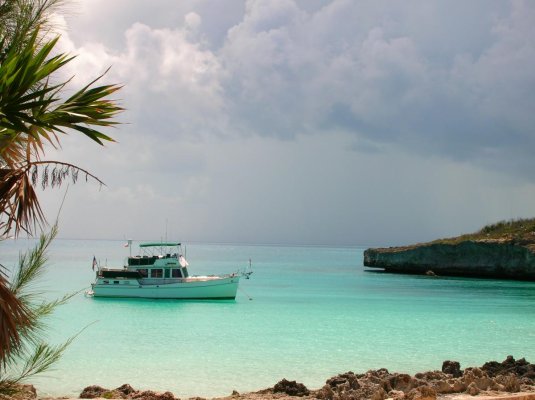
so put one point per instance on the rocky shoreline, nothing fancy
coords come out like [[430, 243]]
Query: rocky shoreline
[[504, 250], [498, 379], [487, 258]]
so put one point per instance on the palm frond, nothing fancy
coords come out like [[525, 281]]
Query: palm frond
[[19, 202], [26, 97], [31, 267], [14, 317], [19, 18], [41, 360], [30, 355], [32, 264]]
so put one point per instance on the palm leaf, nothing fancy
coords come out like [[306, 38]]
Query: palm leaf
[[30, 356], [13, 317], [42, 359]]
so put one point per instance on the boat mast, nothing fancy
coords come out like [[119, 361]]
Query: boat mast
[[166, 220]]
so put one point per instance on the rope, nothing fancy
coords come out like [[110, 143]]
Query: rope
[[245, 293]]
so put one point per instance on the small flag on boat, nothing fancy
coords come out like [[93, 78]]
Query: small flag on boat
[[94, 263], [182, 261]]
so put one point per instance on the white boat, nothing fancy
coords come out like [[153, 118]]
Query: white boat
[[161, 272]]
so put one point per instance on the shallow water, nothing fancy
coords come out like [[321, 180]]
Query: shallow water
[[315, 312]]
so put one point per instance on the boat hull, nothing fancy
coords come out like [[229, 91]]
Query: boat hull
[[223, 288]]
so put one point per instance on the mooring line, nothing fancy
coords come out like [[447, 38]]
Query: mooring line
[[245, 293]]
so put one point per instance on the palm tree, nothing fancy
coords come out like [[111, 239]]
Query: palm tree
[[34, 112], [31, 355]]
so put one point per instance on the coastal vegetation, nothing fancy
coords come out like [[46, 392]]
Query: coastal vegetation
[[520, 230], [35, 112]]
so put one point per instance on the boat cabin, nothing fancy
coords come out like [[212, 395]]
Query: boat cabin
[[159, 260], [156, 261]]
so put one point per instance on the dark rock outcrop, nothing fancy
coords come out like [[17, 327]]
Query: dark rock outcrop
[[92, 392], [503, 259], [291, 388], [452, 367], [520, 368], [124, 392]]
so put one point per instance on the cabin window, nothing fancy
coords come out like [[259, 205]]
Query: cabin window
[[115, 282], [167, 272], [106, 282], [176, 273], [156, 273], [144, 272]]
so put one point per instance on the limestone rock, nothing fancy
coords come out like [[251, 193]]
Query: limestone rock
[[443, 387], [510, 383], [403, 382], [325, 393], [150, 395], [472, 389], [380, 394], [348, 378], [92, 392], [475, 258], [18, 392], [459, 386], [396, 395], [126, 389], [422, 393]]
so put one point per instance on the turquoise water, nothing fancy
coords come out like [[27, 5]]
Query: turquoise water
[[314, 313]]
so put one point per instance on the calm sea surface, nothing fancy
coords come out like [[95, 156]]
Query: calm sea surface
[[314, 313]]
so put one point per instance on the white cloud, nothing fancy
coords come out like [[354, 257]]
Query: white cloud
[[241, 117]]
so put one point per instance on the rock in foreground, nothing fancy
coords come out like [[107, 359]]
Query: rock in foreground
[[493, 378]]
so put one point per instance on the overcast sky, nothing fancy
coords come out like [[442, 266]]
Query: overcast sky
[[304, 122]]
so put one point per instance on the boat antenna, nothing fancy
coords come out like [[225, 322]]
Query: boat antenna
[[166, 220], [130, 246]]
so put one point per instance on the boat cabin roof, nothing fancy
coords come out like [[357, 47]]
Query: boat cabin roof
[[160, 244], [154, 251]]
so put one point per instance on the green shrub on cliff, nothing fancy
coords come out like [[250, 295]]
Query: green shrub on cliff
[[520, 230], [511, 227]]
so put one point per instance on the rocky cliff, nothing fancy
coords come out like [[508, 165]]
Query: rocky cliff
[[488, 258]]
